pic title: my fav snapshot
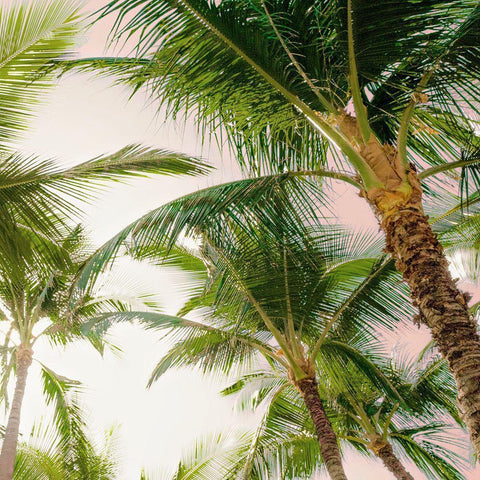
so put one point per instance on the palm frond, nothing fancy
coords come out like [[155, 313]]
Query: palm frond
[[31, 35], [194, 213]]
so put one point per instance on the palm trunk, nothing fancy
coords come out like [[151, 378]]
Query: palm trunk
[[327, 439], [384, 451], [443, 308], [10, 441]]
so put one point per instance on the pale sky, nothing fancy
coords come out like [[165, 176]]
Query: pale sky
[[85, 117]]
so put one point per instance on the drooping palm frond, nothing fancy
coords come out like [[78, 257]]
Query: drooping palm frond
[[31, 186], [31, 35], [214, 457], [36, 195], [68, 416], [191, 214]]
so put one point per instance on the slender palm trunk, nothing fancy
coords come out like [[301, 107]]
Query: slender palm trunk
[[442, 306], [327, 439], [384, 451], [10, 441]]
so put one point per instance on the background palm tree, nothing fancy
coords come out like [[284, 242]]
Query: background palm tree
[[30, 292], [384, 426], [388, 90], [38, 250], [284, 443]]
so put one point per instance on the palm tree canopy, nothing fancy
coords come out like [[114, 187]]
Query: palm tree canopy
[[262, 269], [263, 69]]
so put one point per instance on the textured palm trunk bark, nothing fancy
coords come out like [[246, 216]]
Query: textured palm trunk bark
[[327, 439], [442, 306], [10, 441], [391, 461]]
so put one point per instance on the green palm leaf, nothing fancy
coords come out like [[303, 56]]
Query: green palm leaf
[[31, 35]]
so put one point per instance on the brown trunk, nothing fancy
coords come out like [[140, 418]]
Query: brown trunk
[[443, 308], [9, 446], [384, 451], [327, 439], [420, 258]]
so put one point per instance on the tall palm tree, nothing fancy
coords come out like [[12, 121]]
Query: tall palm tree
[[387, 89], [32, 291], [284, 444], [298, 294], [366, 416]]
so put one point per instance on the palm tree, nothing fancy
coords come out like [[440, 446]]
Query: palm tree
[[298, 294], [284, 443], [383, 90], [31, 291]]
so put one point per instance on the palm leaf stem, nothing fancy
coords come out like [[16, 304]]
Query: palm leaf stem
[[459, 207], [354, 439], [474, 307], [184, 322], [6, 372], [408, 114], [43, 294], [94, 63], [389, 418], [328, 174], [292, 337], [362, 416], [447, 167], [360, 110]]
